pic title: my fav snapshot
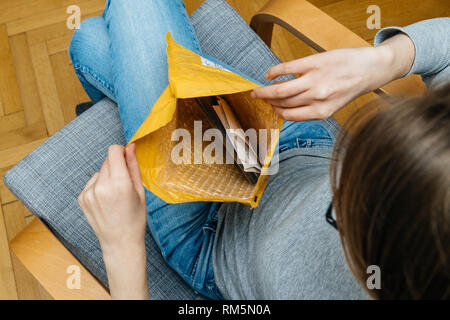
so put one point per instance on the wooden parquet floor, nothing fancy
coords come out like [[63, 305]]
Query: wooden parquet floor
[[39, 90]]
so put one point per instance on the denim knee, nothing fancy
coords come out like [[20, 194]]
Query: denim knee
[[89, 52], [90, 34]]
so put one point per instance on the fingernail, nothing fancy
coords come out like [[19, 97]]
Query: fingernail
[[252, 94]]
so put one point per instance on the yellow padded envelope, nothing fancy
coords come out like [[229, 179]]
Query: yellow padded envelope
[[192, 76]]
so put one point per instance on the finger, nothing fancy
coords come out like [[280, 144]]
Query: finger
[[117, 163], [252, 94], [302, 99], [305, 113], [87, 205], [281, 82], [299, 66], [104, 171], [133, 167], [282, 91], [91, 181], [84, 197]]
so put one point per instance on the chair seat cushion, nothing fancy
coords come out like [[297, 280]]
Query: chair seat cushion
[[49, 180]]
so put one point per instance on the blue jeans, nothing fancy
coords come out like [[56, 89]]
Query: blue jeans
[[122, 55]]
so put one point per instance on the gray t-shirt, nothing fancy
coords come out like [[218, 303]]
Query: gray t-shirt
[[285, 249]]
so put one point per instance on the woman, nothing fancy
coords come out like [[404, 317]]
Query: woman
[[390, 188]]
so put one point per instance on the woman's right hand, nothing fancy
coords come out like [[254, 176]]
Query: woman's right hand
[[113, 202], [329, 81]]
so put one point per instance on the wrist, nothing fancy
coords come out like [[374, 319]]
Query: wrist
[[396, 56], [123, 254], [386, 62], [127, 272]]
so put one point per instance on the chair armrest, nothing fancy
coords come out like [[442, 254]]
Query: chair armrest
[[322, 33], [48, 261]]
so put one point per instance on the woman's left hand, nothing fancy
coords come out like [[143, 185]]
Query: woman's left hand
[[329, 81]]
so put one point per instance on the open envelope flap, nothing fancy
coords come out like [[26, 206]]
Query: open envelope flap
[[190, 76]]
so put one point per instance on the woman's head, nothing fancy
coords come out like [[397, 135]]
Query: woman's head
[[391, 185]]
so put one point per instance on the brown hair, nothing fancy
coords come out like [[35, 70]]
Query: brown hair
[[391, 186]]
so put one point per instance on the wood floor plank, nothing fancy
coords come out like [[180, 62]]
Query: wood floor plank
[[67, 92], [12, 122], [27, 286], [26, 79], [23, 135], [11, 156], [48, 32], [8, 289], [81, 93], [352, 13], [5, 195], [9, 5], [28, 8], [29, 219], [55, 30], [14, 218], [9, 92], [59, 44], [51, 17], [192, 5], [48, 93]]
